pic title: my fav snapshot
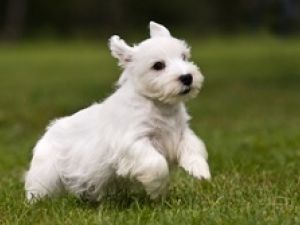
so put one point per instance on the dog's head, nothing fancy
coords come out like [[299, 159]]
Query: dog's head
[[159, 67]]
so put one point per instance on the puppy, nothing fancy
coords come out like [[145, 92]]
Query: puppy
[[137, 132]]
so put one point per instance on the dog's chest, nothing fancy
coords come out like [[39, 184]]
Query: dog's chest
[[166, 135]]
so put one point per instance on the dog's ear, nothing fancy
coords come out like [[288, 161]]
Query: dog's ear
[[120, 50], [158, 30]]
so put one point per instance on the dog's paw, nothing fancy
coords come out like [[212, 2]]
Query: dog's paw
[[198, 168]]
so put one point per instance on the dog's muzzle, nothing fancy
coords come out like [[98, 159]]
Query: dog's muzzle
[[186, 90]]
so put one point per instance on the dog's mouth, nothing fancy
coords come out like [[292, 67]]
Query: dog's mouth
[[185, 91]]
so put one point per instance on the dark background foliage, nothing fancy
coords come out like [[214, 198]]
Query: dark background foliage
[[63, 18]]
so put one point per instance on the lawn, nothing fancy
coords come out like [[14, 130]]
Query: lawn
[[248, 114]]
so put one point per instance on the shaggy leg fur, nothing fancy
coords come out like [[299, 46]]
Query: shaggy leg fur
[[193, 156], [144, 163], [42, 179]]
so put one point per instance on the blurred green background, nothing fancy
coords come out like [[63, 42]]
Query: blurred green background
[[54, 61]]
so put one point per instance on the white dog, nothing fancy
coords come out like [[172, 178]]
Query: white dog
[[137, 132]]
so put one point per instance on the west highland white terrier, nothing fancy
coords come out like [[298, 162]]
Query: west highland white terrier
[[138, 132]]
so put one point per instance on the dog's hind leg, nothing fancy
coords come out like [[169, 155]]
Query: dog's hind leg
[[42, 179]]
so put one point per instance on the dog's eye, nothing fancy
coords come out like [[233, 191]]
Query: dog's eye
[[159, 66], [184, 57]]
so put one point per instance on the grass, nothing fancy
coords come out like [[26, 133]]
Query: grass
[[248, 115]]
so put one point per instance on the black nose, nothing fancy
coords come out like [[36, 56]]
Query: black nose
[[186, 79]]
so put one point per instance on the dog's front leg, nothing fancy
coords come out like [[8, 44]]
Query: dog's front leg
[[145, 164], [192, 155]]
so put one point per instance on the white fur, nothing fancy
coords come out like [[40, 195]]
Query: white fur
[[137, 132]]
